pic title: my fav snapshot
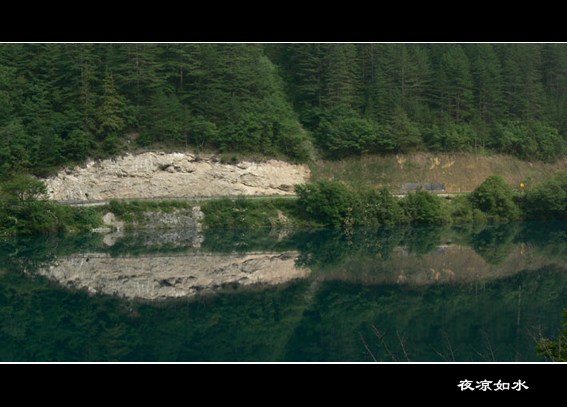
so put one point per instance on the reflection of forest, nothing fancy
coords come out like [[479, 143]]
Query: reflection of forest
[[143, 265], [317, 318], [437, 254], [447, 264]]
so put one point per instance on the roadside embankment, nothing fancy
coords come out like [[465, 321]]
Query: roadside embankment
[[459, 172], [160, 175]]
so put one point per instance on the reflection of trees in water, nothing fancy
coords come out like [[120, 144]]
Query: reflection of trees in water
[[493, 242], [547, 238], [447, 322], [396, 348], [296, 322], [31, 253], [317, 247]]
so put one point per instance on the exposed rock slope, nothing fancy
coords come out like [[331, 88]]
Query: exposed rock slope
[[173, 175]]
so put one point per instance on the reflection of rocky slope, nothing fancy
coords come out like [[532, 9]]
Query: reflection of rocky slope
[[175, 175], [446, 265], [161, 277]]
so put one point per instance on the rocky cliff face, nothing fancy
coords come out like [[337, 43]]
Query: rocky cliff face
[[173, 175]]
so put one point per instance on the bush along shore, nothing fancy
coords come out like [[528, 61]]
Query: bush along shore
[[334, 204], [25, 211]]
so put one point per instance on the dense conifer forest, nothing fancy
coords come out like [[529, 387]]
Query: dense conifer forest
[[63, 102]]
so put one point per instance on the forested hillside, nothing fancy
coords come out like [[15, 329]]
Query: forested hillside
[[62, 103]]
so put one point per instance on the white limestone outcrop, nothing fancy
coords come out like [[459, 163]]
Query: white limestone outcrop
[[173, 175]]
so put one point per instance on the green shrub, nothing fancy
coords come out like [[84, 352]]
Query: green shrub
[[548, 200], [116, 207], [424, 207], [24, 211], [461, 210], [21, 189], [377, 207], [495, 198], [452, 137], [341, 132], [528, 141], [327, 203], [29, 219], [78, 219]]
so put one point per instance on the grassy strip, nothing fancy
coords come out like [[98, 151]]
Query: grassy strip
[[252, 213], [133, 211]]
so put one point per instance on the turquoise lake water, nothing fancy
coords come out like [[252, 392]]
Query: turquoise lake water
[[474, 293]]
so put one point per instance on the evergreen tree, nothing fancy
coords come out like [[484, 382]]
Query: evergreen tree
[[403, 74], [405, 134], [454, 85], [340, 75], [75, 75], [18, 150], [554, 73], [370, 93], [303, 67], [110, 111], [9, 97], [486, 74], [522, 81], [167, 121], [64, 102]]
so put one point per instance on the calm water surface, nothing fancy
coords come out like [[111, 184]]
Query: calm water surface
[[421, 294]]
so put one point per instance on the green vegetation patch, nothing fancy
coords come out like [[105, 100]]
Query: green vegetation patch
[[250, 213], [331, 203], [24, 210], [547, 200], [134, 210]]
